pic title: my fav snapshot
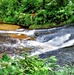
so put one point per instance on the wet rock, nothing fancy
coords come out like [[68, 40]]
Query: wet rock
[[64, 55], [8, 27], [21, 37], [13, 45]]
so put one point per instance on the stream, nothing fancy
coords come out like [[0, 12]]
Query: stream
[[43, 42]]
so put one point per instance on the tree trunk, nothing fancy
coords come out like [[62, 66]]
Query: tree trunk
[[43, 4]]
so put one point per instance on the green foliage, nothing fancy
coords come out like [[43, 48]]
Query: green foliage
[[41, 17], [21, 12], [30, 5], [26, 65], [28, 19]]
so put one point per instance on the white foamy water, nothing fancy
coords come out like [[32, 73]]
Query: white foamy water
[[41, 47], [29, 33], [59, 40], [47, 46], [46, 39]]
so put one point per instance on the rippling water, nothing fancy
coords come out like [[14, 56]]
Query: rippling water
[[46, 42]]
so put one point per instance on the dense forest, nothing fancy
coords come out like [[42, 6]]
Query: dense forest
[[37, 13]]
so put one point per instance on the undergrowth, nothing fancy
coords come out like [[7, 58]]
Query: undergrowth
[[32, 66]]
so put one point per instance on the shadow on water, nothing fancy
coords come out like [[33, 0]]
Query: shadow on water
[[64, 55]]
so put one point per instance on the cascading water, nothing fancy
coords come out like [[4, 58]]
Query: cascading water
[[47, 42], [55, 39]]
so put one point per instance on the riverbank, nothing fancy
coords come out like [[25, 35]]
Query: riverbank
[[18, 41], [41, 14], [5, 26]]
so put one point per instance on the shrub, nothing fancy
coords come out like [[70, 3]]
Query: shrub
[[26, 65], [41, 17], [13, 11]]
